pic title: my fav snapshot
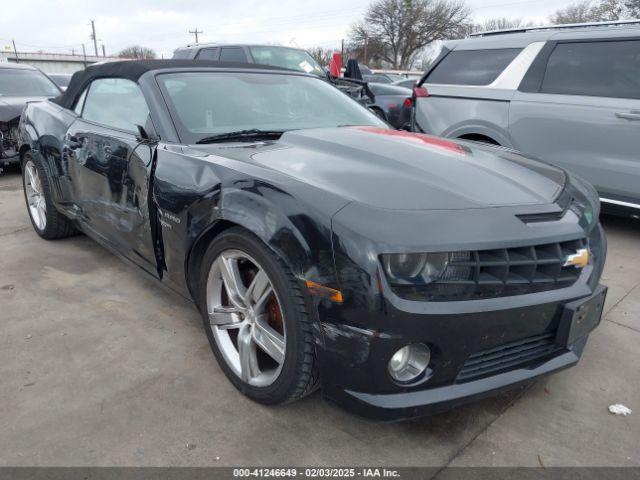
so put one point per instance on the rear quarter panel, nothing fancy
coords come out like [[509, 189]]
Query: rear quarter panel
[[451, 111]]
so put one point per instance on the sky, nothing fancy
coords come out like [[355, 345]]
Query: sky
[[163, 25]]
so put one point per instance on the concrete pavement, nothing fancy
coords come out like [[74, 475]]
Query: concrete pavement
[[102, 366]]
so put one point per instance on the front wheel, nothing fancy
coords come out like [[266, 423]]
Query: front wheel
[[256, 319], [45, 218]]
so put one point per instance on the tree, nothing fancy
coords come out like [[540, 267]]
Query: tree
[[610, 10], [502, 23], [499, 23], [137, 52], [581, 12], [633, 8], [590, 11], [395, 31], [321, 55]]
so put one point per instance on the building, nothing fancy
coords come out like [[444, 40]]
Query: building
[[54, 62]]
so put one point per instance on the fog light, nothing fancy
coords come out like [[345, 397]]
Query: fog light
[[408, 363]]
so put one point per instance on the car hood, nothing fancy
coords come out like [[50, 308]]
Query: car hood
[[11, 107], [403, 171]]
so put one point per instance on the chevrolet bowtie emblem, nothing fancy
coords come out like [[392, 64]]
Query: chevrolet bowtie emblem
[[579, 259]]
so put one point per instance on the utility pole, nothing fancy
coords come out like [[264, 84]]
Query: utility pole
[[195, 32], [84, 56], [342, 51], [366, 45], [104, 54], [94, 38], [15, 51]]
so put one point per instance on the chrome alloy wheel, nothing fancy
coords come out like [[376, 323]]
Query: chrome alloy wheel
[[246, 318], [35, 196]]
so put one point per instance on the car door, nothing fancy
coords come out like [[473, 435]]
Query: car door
[[110, 167], [584, 114]]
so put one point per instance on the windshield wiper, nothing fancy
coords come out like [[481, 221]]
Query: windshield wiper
[[240, 135]]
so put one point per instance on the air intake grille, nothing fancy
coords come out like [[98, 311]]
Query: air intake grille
[[509, 356], [500, 273]]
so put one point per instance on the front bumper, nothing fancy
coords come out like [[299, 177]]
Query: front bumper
[[364, 387], [441, 399], [8, 150], [9, 160]]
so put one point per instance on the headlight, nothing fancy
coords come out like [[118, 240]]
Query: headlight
[[422, 268], [586, 204]]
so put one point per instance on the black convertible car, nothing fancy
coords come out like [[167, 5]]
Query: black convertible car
[[402, 273]]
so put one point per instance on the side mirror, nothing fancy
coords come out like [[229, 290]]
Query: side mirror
[[143, 136]]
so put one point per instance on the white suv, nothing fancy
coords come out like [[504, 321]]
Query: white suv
[[569, 95]]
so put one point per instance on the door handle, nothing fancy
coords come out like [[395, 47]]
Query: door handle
[[632, 115]]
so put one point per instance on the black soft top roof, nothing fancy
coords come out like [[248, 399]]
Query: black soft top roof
[[134, 69]]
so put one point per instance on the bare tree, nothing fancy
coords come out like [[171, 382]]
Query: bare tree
[[633, 8], [502, 23], [321, 55], [364, 48], [610, 10], [137, 52], [593, 11], [581, 12], [395, 31]]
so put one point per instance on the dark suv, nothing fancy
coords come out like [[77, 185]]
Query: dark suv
[[277, 56]]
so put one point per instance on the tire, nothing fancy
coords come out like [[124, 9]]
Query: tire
[[276, 382], [47, 221]]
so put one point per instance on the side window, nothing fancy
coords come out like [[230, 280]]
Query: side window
[[208, 54], [233, 54], [472, 67], [80, 102], [182, 53], [117, 103], [600, 69]]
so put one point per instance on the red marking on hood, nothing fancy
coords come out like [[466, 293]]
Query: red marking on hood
[[417, 137]]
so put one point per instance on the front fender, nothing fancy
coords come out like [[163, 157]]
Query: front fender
[[292, 219], [291, 228]]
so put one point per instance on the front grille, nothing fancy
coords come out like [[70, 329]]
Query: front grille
[[509, 356], [500, 273]]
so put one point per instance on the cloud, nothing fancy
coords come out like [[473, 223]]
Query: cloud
[[163, 25]]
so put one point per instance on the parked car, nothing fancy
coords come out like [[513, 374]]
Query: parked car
[[61, 79], [569, 95], [285, 57], [392, 104], [403, 273], [406, 83], [278, 56], [376, 78], [19, 84]]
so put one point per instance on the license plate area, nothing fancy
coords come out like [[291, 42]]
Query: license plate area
[[579, 318]]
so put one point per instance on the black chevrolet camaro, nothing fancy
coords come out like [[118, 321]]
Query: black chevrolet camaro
[[403, 274]]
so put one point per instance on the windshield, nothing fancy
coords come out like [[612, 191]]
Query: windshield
[[210, 103], [290, 58], [26, 83]]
